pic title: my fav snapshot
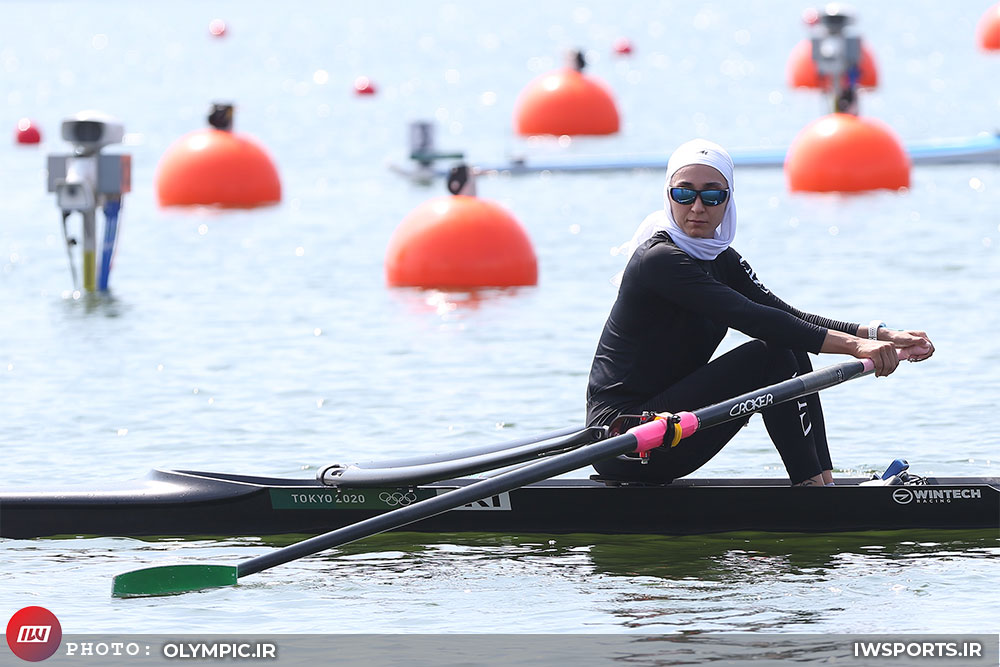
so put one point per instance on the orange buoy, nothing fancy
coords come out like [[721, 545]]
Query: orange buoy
[[566, 101], [27, 132], [844, 153], [364, 86], [801, 70], [213, 167], [988, 29], [457, 242]]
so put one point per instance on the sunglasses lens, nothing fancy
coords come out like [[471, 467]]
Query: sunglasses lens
[[713, 197], [686, 196], [683, 196]]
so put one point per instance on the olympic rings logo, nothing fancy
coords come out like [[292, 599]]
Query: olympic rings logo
[[397, 499]]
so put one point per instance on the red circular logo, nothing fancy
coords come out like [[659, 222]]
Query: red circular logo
[[34, 633]]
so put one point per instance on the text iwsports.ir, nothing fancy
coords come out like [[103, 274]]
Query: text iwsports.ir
[[918, 649]]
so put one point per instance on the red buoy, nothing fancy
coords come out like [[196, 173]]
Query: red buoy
[[214, 167], [844, 153], [217, 28], [27, 132], [459, 242], [801, 69], [623, 46], [988, 29], [364, 86], [565, 101]]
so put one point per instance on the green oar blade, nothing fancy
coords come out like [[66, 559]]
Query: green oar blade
[[167, 579]]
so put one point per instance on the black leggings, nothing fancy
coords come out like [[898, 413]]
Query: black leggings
[[796, 427]]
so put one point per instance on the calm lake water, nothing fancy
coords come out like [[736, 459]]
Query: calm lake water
[[266, 341]]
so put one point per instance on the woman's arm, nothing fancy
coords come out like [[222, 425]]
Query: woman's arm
[[882, 352], [745, 281], [842, 337]]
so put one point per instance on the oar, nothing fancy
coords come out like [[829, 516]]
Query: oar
[[167, 579], [181, 578]]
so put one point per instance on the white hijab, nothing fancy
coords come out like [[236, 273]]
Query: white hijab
[[696, 151]]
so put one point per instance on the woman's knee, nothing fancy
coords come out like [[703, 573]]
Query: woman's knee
[[778, 363]]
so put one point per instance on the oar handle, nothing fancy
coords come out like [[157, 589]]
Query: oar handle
[[903, 354], [686, 424]]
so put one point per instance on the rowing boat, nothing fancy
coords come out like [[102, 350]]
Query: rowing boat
[[983, 148], [184, 503], [434, 493]]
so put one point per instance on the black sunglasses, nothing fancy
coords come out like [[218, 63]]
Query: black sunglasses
[[685, 196]]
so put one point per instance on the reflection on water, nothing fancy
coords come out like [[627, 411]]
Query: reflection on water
[[724, 557], [734, 556], [727, 583], [451, 304], [740, 582], [78, 304], [770, 583]]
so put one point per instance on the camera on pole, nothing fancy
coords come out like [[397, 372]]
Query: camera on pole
[[87, 180], [836, 50]]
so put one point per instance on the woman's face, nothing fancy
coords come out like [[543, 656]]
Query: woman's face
[[695, 219]]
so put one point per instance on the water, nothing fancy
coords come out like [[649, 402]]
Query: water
[[266, 341]]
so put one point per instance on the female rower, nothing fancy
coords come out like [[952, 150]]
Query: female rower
[[683, 288]]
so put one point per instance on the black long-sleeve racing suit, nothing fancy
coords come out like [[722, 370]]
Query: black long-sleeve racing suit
[[655, 353]]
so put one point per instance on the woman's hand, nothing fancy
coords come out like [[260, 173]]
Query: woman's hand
[[915, 344], [881, 352]]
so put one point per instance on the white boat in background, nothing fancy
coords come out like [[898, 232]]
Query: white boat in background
[[428, 164]]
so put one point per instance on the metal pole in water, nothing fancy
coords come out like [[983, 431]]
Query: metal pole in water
[[89, 250]]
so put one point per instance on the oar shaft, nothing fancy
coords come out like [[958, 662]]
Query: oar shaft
[[536, 472], [760, 399]]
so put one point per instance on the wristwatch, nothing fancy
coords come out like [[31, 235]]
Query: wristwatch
[[873, 328]]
